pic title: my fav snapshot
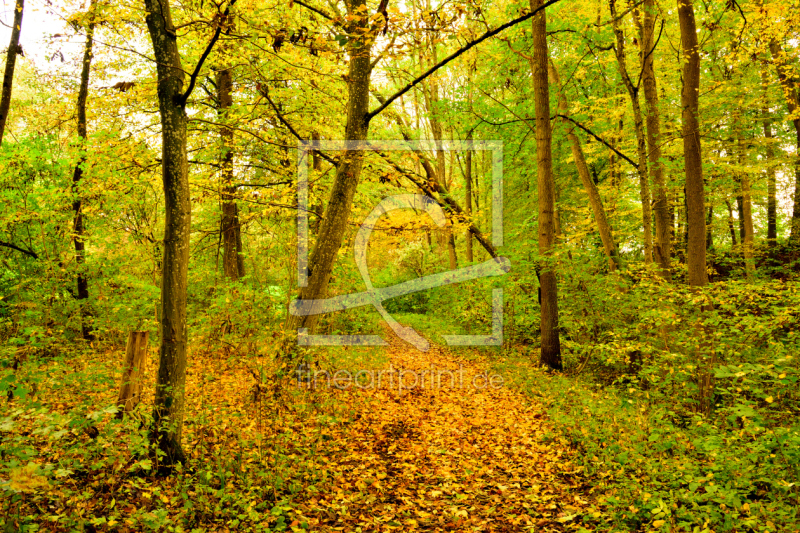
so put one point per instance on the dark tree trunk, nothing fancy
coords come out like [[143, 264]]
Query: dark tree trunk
[[11, 61], [709, 232], [730, 224], [772, 205], [232, 259], [551, 346], [695, 189], [468, 197], [77, 203], [170, 381]]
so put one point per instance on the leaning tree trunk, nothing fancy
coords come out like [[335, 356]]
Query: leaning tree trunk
[[340, 203], [588, 183], [232, 260], [790, 89], [695, 189], [551, 346], [11, 61], [638, 127], [170, 382], [77, 176], [662, 249]]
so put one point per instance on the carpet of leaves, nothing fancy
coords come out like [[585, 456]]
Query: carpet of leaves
[[432, 447]]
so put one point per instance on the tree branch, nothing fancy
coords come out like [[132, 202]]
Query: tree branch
[[587, 130], [454, 55], [265, 93], [30, 253], [315, 10], [193, 79]]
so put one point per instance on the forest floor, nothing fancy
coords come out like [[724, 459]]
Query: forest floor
[[457, 455], [447, 451]]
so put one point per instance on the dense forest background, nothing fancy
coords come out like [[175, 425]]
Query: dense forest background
[[149, 156]]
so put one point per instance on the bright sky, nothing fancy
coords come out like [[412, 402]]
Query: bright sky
[[39, 22]]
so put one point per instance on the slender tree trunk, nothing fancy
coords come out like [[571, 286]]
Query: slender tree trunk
[[468, 197], [551, 346], [790, 89], [11, 61], [641, 143], [695, 189], [746, 215], [77, 176], [340, 203], [662, 249], [772, 205], [588, 183], [232, 259], [432, 101], [734, 242], [170, 381]]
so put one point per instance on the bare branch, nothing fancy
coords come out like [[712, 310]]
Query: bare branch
[[454, 55]]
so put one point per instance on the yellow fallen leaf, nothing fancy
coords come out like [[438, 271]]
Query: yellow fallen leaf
[[769, 399], [659, 523]]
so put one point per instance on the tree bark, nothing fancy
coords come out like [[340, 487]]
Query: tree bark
[[232, 259], [11, 61], [340, 202], [468, 197], [662, 249], [772, 205], [695, 189], [734, 242], [551, 346], [746, 214], [588, 183], [130, 390], [77, 203], [792, 94], [170, 382], [638, 126], [709, 225]]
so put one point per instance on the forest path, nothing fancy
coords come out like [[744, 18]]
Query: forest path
[[446, 451]]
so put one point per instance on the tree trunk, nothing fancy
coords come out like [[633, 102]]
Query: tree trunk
[[432, 101], [792, 99], [348, 171], [746, 215], [709, 232], [551, 347], [638, 126], [130, 390], [11, 61], [77, 176], [695, 189], [468, 197], [232, 259], [730, 224], [662, 249], [772, 205], [588, 183], [170, 382]]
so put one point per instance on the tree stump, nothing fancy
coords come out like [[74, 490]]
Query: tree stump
[[130, 390]]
